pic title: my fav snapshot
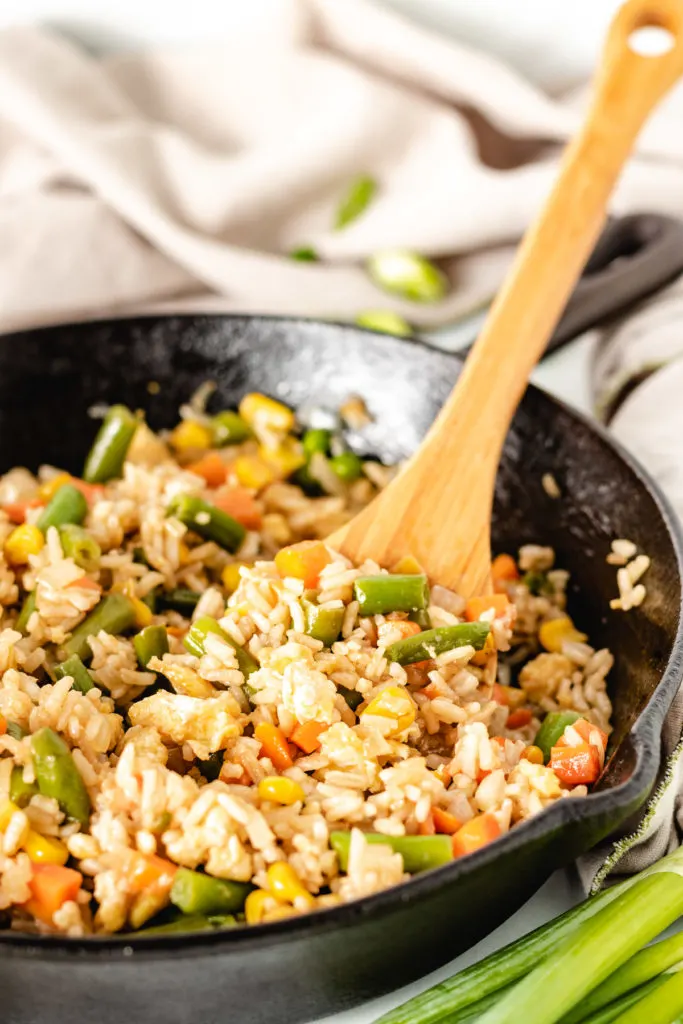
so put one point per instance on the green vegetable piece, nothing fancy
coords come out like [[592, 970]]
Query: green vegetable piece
[[211, 767], [109, 450], [308, 484], [20, 792], [197, 893], [229, 428], [27, 610], [178, 600], [385, 321], [66, 506], [552, 727], [79, 545], [316, 440], [151, 642], [322, 624], [16, 731], [74, 667], [150, 599], [114, 614], [57, 775], [190, 923], [140, 556], [352, 697], [537, 583], [420, 853], [347, 466], [196, 638], [409, 275], [209, 522], [357, 198], [421, 616], [385, 593], [432, 642], [304, 254]]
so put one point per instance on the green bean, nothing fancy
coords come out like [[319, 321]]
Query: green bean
[[229, 428], [196, 638], [74, 667], [191, 923], [420, 853], [421, 617], [209, 522], [109, 450], [114, 614], [27, 610], [57, 775], [16, 731], [358, 195], [304, 254], [79, 545], [385, 321], [316, 440], [347, 466], [197, 893], [381, 594], [321, 623], [66, 506], [408, 274], [352, 697], [20, 792], [151, 642], [432, 642], [180, 599], [552, 727], [150, 599]]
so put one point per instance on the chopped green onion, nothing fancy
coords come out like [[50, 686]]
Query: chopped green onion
[[109, 450], [359, 194], [79, 545], [16, 731], [432, 642], [196, 639], [179, 600], [114, 614], [304, 254], [74, 667], [27, 610], [209, 522], [419, 853], [66, 506], [228, 427], [409, 275], [385, 593], [385, 321]]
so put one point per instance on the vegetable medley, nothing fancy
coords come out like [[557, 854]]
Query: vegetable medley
[[209, 717]]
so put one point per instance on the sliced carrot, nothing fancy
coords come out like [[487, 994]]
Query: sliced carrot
[[503, 570], [51, 886], [151, 872], [274, 745], [576, 766], [210, 468], [3, 725], [427, 827], [445, 822], [304, 561], [476, 606], [475, 834], [91, 492], [16, 510], [518, 719], [307, 736], [241, 504]]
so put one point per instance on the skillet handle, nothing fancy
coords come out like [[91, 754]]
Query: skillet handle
[[634, 257]]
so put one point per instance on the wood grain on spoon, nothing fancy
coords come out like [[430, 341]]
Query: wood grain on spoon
[[438, 508]]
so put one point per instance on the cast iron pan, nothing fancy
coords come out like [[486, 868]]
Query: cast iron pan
[[305, 968]]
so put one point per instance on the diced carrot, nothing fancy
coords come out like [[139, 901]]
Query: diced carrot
[[16, 510], [585, 732], [274, 745], [406, 628], [84, 583], [427, 827], [476, 606], [519, 718], [304, 561], [151, 872], [430, 691], [307, 736], [503, 570], [3, 725], [575, 766], [51, 886], [499, 695], [210, 468], [475, 834], [241, 504], [445, 822], [91, 492]]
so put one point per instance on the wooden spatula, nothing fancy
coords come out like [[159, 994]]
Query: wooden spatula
[[438, 508]]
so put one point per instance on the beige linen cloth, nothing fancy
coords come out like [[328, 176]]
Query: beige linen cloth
[[181, 180]]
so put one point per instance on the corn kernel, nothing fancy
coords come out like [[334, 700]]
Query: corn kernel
[[555, 632], [23, 541], [394, 704], [278, 913], [253, 472], [257, 904], [280, 790], [47, 491], [285, 884], [231, 577], [263, 413], [191, 436], [286, 458], [45, 849], [533, 754], [7, 809], [408, 565], [183, 553]]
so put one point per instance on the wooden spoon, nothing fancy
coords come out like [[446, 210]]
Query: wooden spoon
[[438, 508]]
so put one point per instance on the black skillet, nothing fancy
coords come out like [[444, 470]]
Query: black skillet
[[304, 968]]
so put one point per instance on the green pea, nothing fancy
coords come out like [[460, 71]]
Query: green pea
[[347, 466], [316, 440], [408, 274]]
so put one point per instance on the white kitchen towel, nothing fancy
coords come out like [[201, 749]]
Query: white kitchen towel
[[185, 178]]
